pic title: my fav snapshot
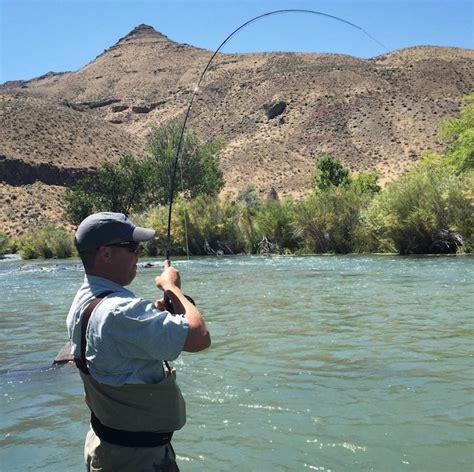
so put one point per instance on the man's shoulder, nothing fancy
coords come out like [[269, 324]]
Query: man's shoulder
[[123, 303]]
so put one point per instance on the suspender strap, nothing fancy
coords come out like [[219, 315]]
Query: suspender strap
[[129, 438], [81, 363]]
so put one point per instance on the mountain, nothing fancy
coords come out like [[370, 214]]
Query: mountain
[[277, 112]]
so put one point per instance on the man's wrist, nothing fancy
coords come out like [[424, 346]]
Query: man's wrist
[[171, 290]]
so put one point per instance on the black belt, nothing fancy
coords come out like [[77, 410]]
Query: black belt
[[129, 438]]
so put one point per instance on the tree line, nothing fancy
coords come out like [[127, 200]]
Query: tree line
[[429, 209]]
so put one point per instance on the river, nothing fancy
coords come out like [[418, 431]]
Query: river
[[326, 363]]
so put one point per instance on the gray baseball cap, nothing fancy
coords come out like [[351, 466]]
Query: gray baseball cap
[[100, 229]]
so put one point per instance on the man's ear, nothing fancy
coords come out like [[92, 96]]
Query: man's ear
[[104, 255]]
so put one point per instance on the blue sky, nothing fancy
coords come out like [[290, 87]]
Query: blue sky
[[38, 36]]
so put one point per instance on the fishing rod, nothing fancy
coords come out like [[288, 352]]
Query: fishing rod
[[196, 90], [203, 73]]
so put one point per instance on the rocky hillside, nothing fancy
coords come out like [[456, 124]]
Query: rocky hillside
[[278, 112]]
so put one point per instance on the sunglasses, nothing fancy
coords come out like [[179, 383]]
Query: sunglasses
[[130, 246]]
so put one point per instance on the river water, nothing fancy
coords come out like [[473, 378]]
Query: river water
[[329, 363]]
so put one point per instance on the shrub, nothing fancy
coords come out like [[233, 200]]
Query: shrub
[[212, 227], [247, 205], [425, 211], [366, 182], [458, 157], [275, 222], [328, 221], [248, 198], [46, 242], [157, 218], [4, 244]]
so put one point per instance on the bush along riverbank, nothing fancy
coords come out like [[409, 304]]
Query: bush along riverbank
[[5, 244], [425, 212], [429, 210]]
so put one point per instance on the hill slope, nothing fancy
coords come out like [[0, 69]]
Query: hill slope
[[379, 113]]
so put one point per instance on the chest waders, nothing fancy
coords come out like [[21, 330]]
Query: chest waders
[[133, 415]]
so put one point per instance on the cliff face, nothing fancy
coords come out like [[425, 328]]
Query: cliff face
[[277, 112]]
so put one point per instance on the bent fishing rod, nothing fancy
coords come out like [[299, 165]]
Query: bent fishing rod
[[201, 77], [196, 90]]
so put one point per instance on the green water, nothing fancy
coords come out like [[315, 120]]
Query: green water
[[317, 363]]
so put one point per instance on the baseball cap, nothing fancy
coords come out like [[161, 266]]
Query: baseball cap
[[100, 229]]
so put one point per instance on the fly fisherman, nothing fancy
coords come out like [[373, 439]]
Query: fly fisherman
[[121, 344]]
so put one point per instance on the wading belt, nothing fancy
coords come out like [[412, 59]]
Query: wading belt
[[129, 438], [115, 436]]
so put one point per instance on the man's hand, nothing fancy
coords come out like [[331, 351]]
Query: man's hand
[[160, 304], [168, 279]]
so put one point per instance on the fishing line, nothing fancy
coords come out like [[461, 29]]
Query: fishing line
[[196, 90]]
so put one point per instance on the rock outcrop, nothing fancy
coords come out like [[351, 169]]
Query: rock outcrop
[[272, 110]]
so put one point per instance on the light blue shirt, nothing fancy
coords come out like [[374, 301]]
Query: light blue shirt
[[127, 337]]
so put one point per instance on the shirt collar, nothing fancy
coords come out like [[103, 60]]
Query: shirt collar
[[100, 284]]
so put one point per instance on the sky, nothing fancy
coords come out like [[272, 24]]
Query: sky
[[39, 36]]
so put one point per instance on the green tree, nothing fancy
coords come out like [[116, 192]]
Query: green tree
[[132, 185], [117, 186], [198, 171], [459, 134], [79, 202], [330, 173]]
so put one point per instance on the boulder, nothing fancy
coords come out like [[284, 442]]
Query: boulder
[[147, 108], [119, 108], [273, 110]]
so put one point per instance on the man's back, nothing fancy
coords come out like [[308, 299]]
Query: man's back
[[128, 338]]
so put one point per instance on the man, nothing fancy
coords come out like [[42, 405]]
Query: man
[[120, 343]]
